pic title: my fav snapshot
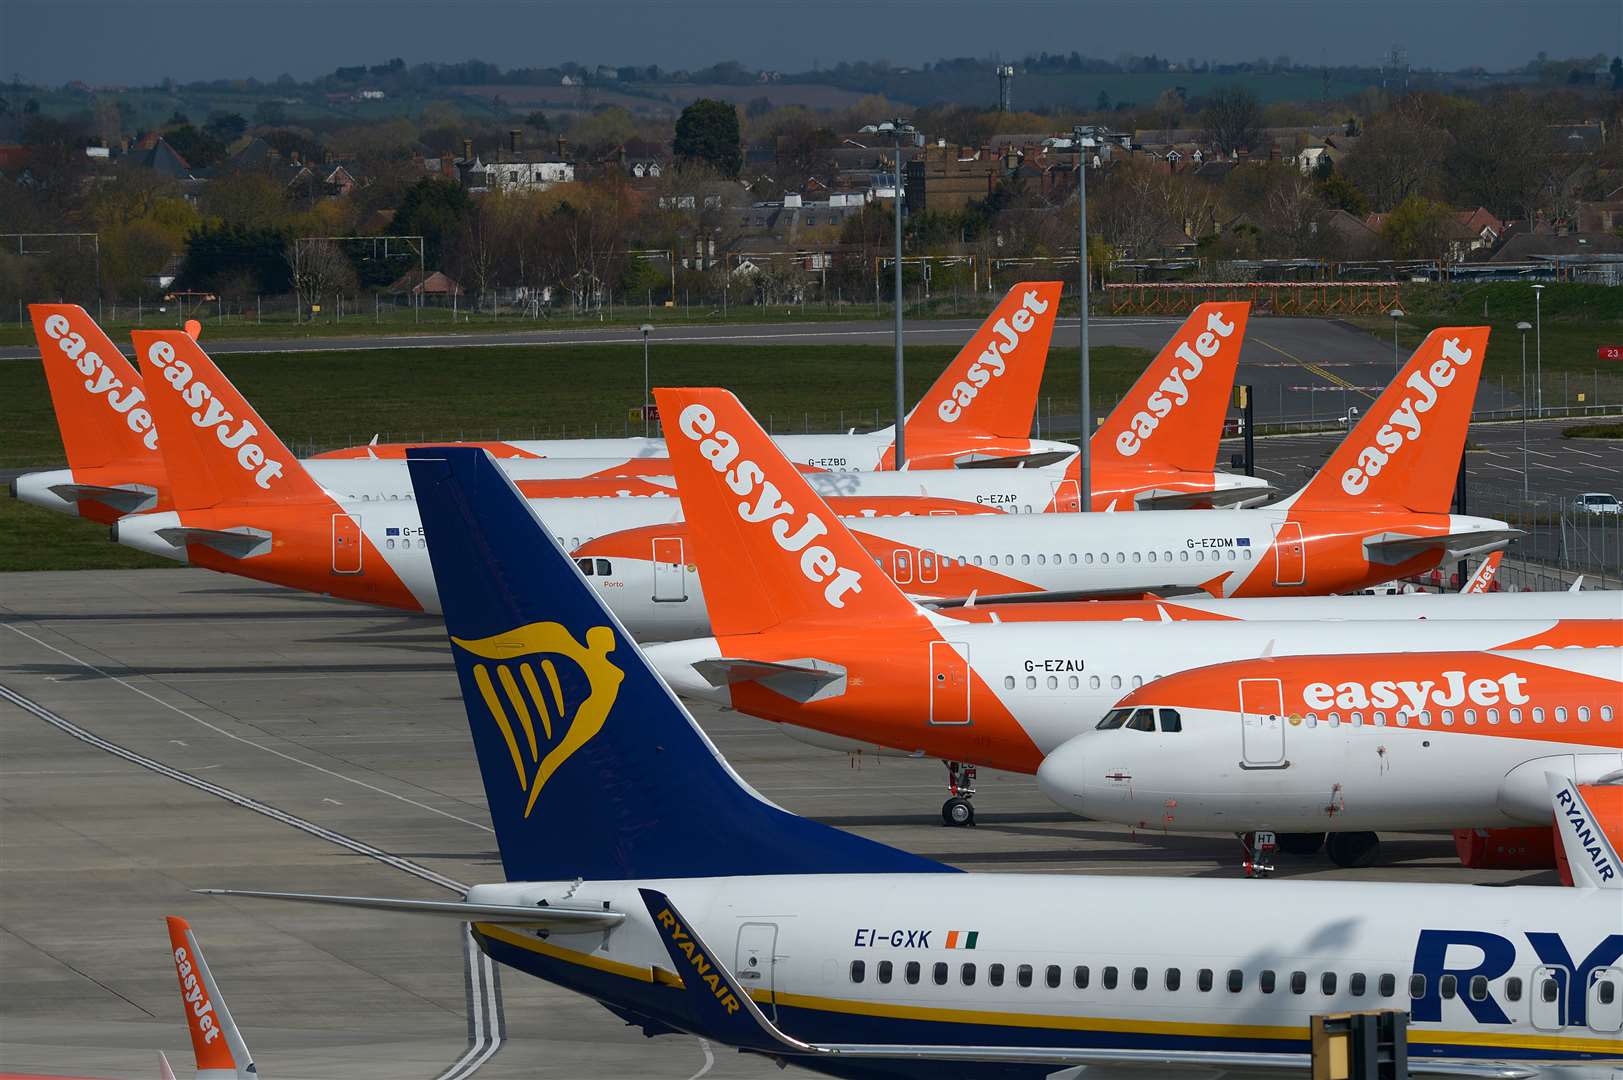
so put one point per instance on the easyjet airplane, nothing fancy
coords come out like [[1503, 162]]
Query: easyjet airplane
[[641, 871], [981, 408], [1349, 745], [807, 631]]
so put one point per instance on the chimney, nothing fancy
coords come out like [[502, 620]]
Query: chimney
[[467, 149], [512, 139], [622, 155], [445, 165], [563, 148]]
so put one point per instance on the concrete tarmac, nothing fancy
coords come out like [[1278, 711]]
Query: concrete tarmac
[[168, 730]]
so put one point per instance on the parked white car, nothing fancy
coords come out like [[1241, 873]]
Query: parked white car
[[1597, 502]]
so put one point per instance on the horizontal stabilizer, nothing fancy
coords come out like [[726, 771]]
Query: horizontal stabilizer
[[1390, 549], [1159, 499], [1036, 460], [239, 542], [1148, 592], [804, 681], [540, 917], [125, 498]]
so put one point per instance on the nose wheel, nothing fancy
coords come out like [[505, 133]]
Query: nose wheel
[[958, 811], [1260, 848]]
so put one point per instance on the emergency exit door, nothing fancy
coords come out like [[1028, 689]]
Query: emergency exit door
[[949, 683], [1067, 496], [670, 570], [1262, 723], [346, 544], [1290, 554], [755, 964]]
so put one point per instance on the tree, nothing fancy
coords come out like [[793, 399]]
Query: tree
[[538, 120], [199, 148], [707, 131], [1399, 154], [270, 113], [320, 270], [246, 198], [216, 254], [1342, 194], [225, 126], [1617, 72], [1233, 118], [1418, 229], [1501, 157], [435, 210]]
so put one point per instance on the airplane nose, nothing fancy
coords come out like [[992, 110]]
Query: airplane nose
[[1063, 772]]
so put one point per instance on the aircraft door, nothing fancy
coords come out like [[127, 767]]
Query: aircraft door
[[756, 964], [1548, 990], [1067, 495], [1262, 724], [949, 683], [1604, 1005], [1290, 554], [670, 570], [346, 544]]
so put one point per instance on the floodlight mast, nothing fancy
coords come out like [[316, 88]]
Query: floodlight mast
[[898, 129]]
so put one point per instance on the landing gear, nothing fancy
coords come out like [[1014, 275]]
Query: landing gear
[[1301, 843], [958, 811], [1353, 850], [1260, 847]]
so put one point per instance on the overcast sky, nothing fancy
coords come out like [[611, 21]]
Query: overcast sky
[[142, 41]]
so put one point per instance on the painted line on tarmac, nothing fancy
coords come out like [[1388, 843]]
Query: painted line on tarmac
[[217, 729], [487, 1026], [1335, 380]]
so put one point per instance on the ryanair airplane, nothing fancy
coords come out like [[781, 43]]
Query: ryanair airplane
[[645, 873]]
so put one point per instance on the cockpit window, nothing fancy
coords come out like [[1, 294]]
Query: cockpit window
[[1143, 720], [1115, 718], [604, 569], [1171, 721], [585, 566]]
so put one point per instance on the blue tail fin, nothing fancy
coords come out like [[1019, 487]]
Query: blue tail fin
[[592, 768]]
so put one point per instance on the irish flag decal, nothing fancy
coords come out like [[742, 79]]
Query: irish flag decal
[[962, 939]]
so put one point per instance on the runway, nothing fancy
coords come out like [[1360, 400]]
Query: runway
[[168, 730]]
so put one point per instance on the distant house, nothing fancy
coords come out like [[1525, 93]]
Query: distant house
[[1483, 226], [1551, 246], [432, 283], [512, 168]]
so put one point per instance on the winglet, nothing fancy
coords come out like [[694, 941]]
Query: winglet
[[216, 1042], [1405, 452], [1173, 415], [991, 386], [216, 447], [1585, 850]]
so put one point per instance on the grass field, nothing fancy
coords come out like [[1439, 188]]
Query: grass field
[[326, 400]]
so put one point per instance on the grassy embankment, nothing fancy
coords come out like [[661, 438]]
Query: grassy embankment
[[325, 400]]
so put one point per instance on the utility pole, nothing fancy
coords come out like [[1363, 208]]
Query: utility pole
[[1084, 439], [899, 128], [1538, 345]]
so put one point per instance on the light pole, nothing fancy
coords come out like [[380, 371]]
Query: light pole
[[647, 394], [1084, 438], [1538, 345], [1524, 328], [1396, 313], [898, 129]]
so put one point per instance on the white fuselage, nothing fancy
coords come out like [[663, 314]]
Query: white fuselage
[[1350, 769], [1161, 963]]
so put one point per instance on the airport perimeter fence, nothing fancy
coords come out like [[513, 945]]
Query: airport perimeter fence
[[1560, 540]]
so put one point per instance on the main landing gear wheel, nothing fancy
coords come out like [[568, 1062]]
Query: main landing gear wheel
[[958, 811], [1353, 850], [1301, 843]]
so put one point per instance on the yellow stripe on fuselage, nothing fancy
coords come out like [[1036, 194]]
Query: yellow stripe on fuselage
[[573, 956]]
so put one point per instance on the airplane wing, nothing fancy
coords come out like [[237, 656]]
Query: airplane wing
[[803, 680], [722, 1009], [541, 917], [1392, 548], [241, 542], [125, 498], [1148, 592]]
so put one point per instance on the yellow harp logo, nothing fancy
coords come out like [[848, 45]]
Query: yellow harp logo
[[523, 703]]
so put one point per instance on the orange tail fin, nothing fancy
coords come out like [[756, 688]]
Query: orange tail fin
[[215, 446], [1405, 452], [216, 1042], [991, 385], [1173, 415], [101, 406], [769, 550]]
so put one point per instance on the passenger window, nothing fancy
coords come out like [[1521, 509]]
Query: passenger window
[[1515, 716], [1138, 681], [1087, 558], [1560, 714], [1042, 560], [1549, 990], [1107, 978], [938, 972], [1141, 978], [1448, 987], [1008, 682], [977, 560], [1417, 986], [1183, 556], [1493, 716], [1053, 682], [994, 974], [1538, 714], [1470, 716], [1079, 977], [994, 560], [1138, 556], [966, 974], [1387, 985], [1121, 557], [604, 569], [1605, 991], [1152, 556], [911, 972], [391, 544], [1200, 556], [1093, 682], [1583, 714], [1174, 979], [1298, 982], [1051, 976], [1171, 721], [1203, 980], [1022, 974], [1115, 682], [1143, 720], [1025, 560], [1073, 683], [1479, 988], [1356, 984], [885, 971], [858, 970], [1236, 980], [1448, 717], [1031, 682], [1605, 712], [1327, 984], [1265, 981]]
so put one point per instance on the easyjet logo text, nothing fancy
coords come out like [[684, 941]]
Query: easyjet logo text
[[1404, 425], [793, 531], [1007, 334], [250, 456], [1175, 390], [1451, 689], [101, 381], [202, 1009]]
